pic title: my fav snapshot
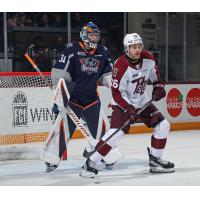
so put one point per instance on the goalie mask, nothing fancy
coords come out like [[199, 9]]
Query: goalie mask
[[90, 33], [131, 39]]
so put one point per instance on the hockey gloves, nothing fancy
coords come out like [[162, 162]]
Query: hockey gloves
[[130, 112], [158, 91]]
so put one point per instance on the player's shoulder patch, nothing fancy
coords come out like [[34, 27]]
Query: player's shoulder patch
[[69, 48], [114, 72], [120, 65], [69, 45]]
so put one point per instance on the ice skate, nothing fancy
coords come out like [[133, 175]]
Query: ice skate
[[50, 167], [157, 165], [89, 170], [109, 166], [86, 153]]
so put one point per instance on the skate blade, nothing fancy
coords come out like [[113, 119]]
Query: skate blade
[[161, 170], [50, 171], [87, 174], [109, 166]]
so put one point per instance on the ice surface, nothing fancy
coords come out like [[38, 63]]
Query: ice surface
[[183, 148]]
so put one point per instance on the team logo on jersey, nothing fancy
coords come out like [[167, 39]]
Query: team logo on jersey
[[114, 72], [89, 65], [140, 85]]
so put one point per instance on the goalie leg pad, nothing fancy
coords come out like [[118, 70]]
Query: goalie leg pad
[[49, 157]]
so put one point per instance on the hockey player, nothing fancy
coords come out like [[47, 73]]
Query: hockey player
[[131, 73], [84, 65]]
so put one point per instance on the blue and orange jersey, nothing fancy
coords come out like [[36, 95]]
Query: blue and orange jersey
[[82, 69]]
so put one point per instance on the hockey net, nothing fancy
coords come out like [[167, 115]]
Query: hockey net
[[25, 114], [23, 79]]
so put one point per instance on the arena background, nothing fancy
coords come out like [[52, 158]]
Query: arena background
[[176, 43]]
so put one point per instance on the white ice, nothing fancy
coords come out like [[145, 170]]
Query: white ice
[[183, 148]]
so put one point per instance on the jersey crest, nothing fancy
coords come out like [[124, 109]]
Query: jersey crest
[[140, 85], [89, 65]]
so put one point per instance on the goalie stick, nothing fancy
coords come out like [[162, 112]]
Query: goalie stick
[[38, 70], [67, 108]]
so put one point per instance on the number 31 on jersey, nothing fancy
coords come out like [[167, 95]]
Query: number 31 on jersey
[[62, 58]]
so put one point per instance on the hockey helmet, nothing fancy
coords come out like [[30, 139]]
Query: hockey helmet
[[130, 39], [90, 33]]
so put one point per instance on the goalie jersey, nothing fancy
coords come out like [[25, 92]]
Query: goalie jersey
[[82, 71]]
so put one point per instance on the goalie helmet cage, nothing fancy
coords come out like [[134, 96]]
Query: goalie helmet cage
[[21, 145]]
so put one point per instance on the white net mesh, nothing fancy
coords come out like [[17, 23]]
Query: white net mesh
[[21, 145], [15, 80]]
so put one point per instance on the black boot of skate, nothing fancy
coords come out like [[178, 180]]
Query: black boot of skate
[[89, 170], [86, 153], [50, 167], [108, 166], [157, 165]]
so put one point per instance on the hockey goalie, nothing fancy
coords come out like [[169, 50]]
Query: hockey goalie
[[81, 67]]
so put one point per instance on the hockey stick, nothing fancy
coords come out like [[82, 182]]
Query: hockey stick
[[68, 110], [123, 126], [38, 70]]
